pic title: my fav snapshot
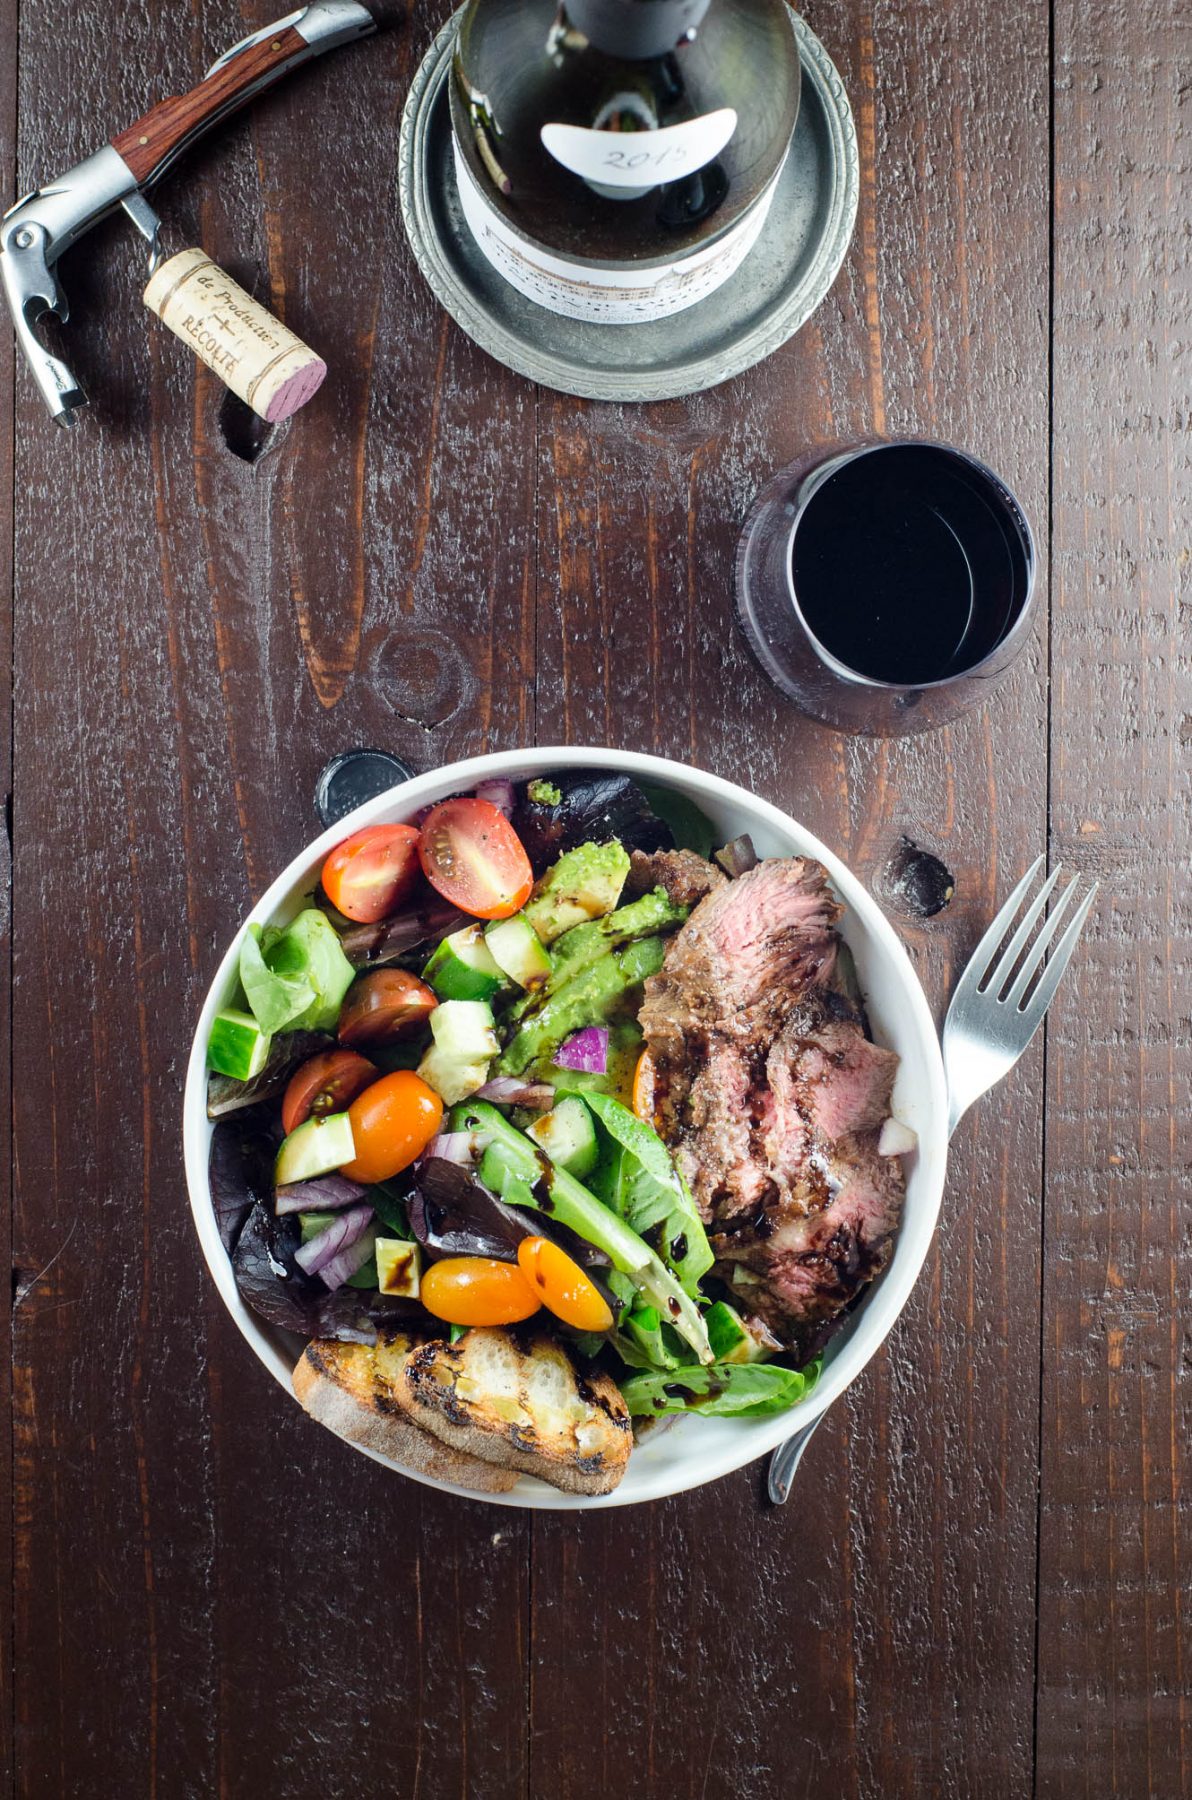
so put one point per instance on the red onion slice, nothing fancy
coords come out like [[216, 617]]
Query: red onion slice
[[507, 1090], [452, 1146], [498, 791], [341, 1268], [324, 1194], [586, 1052], [342, 1233]]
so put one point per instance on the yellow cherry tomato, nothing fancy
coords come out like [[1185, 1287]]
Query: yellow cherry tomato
[[643, 1088], [393, 1121], [476, 1290], [561, 1285]]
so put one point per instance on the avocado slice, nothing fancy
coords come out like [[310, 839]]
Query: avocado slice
[[586, 944], [584, 884], [589, 998]]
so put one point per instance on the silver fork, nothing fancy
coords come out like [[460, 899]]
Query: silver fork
[[999, 1004]]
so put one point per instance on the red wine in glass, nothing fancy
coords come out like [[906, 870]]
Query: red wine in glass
[[887, 588]]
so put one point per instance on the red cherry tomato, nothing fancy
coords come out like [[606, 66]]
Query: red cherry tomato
[[383, 1005], [392, 1123], [327, 1083], [370, 873], [562, 1286], [476, 1290], [470, 852]]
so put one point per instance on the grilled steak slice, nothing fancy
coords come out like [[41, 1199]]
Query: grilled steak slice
[[685, 877], [771, 1097], [802, 1277], [746, 950]]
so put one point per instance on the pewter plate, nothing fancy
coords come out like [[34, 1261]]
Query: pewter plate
[[773, 293]]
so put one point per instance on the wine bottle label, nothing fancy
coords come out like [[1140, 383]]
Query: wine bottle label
[[640, 159], [604, 296], [253, 353]]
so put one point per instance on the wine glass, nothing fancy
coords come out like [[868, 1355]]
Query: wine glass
[[887, 587]]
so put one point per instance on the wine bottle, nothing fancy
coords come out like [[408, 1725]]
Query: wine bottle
[[616, 159]]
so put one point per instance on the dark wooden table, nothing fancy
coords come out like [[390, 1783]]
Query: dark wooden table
[[982, 1583]]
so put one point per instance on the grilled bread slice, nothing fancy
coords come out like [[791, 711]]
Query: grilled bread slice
[[516, 1401], [355, 1390]]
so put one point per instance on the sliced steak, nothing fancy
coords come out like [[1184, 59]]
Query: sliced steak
[[685, 877], [772, 1097], [803, 1273], [747, 951]]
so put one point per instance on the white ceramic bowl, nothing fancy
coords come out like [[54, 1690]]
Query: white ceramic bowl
[[693, 1450]]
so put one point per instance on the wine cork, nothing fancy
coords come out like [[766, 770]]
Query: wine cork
[[257, 356]]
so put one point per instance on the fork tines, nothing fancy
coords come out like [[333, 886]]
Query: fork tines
[[1021, 978]]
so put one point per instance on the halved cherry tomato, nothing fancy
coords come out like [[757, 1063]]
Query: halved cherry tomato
[[327, 1083], [561, 1285], [392, 1123], [370, 873], [476, 1290], [383, 1005], [643, 1088], [470, 852]]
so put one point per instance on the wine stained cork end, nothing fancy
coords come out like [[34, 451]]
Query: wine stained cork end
[[296, 390], [252, 352]]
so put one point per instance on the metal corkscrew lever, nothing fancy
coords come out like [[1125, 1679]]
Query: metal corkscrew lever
[[38, 229]]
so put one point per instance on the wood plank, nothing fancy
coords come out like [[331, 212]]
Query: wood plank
[[1115, 1698], [880, 1630], [197, 633], [8, 143]]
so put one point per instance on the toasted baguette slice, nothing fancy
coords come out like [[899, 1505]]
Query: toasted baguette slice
[[517, 1402], [354, 1390]]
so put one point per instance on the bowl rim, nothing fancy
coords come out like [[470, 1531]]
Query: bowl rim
[[882, 1305]]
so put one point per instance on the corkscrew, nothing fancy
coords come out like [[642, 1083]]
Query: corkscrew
[[37, 231]]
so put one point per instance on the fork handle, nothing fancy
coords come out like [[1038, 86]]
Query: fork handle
[[786, 1460]]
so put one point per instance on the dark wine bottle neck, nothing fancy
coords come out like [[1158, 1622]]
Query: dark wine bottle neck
[[635, 29]]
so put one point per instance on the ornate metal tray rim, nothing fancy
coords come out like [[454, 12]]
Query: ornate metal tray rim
[[695, 372]]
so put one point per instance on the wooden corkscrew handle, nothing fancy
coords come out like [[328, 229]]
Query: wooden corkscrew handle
[[152, 143]]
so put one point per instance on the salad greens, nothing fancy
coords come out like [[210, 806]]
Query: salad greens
[[692, 829], [483, 999], [737, 1390], [638, 1180], [295, 978], [519, 1172]]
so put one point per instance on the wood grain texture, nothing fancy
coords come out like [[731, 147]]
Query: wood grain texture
[[211, 1596], [1115, 1650], [165, 128], [8, 143], [782, 1647], [198, 633]]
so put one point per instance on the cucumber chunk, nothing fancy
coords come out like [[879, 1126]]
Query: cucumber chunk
[[454, 1078], [516, 947], [730, 1337], [568, 1136], [315, 1148], [463, 1029], [462, 968], [237, 1045]]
